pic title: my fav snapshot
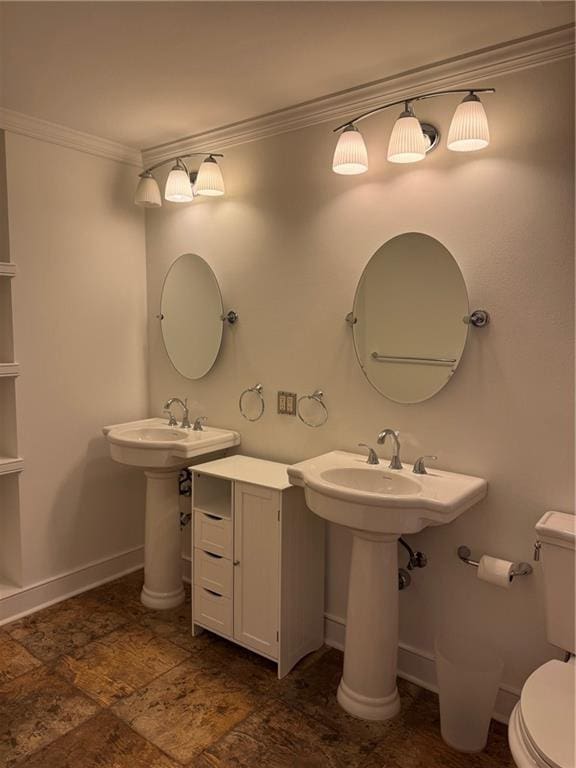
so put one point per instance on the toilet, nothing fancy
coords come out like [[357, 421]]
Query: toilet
[[541, 732]]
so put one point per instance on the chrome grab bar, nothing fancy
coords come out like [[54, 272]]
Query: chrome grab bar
[[408, 359]]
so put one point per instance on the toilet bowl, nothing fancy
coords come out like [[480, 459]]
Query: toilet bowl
[[542, 728], [541, 732]]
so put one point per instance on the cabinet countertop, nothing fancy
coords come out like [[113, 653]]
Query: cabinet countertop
[[246, 469]]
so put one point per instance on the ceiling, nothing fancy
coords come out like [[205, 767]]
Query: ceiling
[[145, 73]]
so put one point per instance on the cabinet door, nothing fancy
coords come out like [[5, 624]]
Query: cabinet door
[[257, 566]]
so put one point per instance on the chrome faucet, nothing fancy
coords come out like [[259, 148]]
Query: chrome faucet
[[395, 462], [198, 423], [185, 414], [372, 455]]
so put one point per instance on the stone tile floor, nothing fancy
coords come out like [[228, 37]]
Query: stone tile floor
[[99, 681]]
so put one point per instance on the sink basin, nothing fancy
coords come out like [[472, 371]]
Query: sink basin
[[371, 481], [342, 488], [153, 444], [378, 505], [162, 451], [154, 435]]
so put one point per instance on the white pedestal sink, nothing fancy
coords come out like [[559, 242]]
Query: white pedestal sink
[[379, 505], [162, 451]]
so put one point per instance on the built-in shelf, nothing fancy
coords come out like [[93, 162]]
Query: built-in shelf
[[7, 269], [10, 465], [9, 369]]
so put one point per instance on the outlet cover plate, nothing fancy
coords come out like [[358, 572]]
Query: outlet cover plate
[[287, 403]]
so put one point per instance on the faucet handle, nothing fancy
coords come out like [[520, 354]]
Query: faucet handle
[[171, 418], [198, 421], [372, 455], [419, 466]]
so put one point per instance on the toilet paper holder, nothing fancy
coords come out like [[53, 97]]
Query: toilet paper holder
[[520, 569]]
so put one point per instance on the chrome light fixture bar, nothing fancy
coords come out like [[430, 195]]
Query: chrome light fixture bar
[[411, 139], [182, 185]]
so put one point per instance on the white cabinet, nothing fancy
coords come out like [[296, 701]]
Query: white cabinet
[[258, 559]]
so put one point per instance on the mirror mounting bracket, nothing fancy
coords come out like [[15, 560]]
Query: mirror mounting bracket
[[479, 318], [230, 317]]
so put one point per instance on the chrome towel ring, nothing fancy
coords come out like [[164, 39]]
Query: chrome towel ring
[[257, 389], [318, 397]]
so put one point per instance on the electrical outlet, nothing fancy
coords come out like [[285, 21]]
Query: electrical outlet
[[287, 403]]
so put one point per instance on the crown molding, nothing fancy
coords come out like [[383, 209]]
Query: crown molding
[[460, 71], [16, 122]]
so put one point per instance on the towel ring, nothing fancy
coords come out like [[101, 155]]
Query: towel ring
[[318, 397], [257, 389]]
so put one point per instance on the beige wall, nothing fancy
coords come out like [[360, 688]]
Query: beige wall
[[288, 245], [80, 333]]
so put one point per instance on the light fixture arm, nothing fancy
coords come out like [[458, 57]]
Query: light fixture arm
[[408, 100], [180, 159]]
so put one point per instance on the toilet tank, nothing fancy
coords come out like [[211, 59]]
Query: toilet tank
[[557, 536]]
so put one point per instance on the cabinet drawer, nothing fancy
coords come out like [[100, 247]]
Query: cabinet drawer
[[213, 611], [213, 572], [213, 534]]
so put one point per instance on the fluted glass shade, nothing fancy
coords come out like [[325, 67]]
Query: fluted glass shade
[[469, 127], [407, 143], [350, 155], [148, 192], [209, 181], [178, 188]]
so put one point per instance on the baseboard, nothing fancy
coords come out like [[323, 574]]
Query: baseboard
[[21, 602], [419, 667]]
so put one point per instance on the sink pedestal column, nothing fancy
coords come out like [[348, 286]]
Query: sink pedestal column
[[162, 556], [368, 686]]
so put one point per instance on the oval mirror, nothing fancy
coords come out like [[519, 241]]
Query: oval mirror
[[409, 309], [191, 312]]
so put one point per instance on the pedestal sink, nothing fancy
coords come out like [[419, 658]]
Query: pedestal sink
[[379, 505], [162, 451]]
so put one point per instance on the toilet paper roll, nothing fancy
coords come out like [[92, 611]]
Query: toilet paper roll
[[495, 571]]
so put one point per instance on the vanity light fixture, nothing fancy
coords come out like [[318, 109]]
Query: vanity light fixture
[[412, 139], [407, 143], [182, 185], [178, 187], [350, 156]]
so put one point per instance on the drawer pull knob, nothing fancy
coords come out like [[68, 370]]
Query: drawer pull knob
[[211, 554], [236, 562], [212, 517], [211, 592]]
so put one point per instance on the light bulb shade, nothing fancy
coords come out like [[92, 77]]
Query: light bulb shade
[[209, 181], [350, 155], [469, 127], [148, 192], [407, 143], [178, 187]]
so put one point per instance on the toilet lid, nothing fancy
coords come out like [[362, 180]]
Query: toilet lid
[[548, 712]]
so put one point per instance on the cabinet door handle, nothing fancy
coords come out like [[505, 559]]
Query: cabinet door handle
[[212, 517], [211, 554], [236, 562], [211, 592]]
